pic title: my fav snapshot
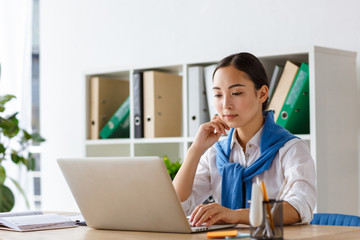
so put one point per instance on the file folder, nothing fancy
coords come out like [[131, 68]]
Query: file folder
[[197, 102], [283, 87], [138, 105], [275, 80], [295, 115], [162, 104], [106, 95], [119, 124]]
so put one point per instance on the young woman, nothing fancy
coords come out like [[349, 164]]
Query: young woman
[[255, 147]]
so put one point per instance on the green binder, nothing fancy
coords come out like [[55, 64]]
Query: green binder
[[119, 124], [294, 114]]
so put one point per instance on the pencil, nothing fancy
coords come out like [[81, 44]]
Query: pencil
[[267, 206]]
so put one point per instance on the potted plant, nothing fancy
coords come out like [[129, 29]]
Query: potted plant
[[172, 167], [14, 143]]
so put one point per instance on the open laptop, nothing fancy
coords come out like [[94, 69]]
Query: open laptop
[[127, 193]]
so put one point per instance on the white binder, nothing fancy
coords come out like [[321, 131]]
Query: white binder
[[197, 103], [209, 70]]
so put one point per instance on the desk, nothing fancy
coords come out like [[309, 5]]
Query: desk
[[85, 233]]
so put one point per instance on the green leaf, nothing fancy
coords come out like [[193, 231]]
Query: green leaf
[[10, 126], [13, 116], [27, 136], [2, 148], [2, 174], [23, 160], [15, 158], [37, 138], [3, 100], [7, 199], [21, 191], [6, 98], [4, 123]]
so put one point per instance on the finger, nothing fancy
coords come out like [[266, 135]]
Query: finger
[[218, 126], [197, 216], [218, 118], [222, 124], [207, 216], [205, 213], [202, 209], [192, 216], [214, 219], [215, 117]]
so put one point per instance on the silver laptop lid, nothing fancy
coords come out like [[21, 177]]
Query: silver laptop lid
[[125, 193]]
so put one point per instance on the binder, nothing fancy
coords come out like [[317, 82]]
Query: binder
[[138, 105], [283, 87], [162, 104], [106, 95], [295, 113], [197, 102], [119, 124], [209, 71], [275, 79]]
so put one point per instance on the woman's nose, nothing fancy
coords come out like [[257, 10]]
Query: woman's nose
[[227, 104]]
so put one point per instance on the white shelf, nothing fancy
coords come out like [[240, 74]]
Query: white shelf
[[306, 137], [108, 141], [159, 140], [135, 141], [333, 121]]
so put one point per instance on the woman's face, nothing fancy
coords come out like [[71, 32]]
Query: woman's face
[[237, 101]]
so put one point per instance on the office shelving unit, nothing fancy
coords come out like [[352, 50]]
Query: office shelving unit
[[333, 122]]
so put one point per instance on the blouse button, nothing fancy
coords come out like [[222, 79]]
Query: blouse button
[[247, 155], [250, 145]]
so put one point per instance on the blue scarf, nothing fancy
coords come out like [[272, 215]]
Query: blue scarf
[[236, 180]]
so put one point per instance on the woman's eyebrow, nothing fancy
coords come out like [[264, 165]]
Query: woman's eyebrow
[[236, 85], [232, 86]]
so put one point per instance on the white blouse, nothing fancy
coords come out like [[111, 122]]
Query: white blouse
[[292, 162]]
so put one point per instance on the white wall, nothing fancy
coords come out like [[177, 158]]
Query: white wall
[[78, 36]]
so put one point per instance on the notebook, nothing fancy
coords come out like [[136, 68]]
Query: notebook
[[127, 193]]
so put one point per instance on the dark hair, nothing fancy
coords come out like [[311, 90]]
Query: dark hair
[[249, 64]]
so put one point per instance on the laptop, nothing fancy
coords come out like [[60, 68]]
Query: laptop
[[127, 193]]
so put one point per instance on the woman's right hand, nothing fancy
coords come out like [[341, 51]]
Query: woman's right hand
[[209, 133]]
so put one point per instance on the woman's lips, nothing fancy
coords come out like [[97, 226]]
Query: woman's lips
[[230, 116]]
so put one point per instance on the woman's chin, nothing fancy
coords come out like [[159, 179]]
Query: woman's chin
[[231, 124]]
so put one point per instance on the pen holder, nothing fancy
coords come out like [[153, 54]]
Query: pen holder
[[271, 226]]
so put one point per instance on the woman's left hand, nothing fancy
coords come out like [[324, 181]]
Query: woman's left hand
[[213, 213]]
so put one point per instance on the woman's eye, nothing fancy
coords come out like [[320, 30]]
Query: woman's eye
[[237, 93], [217, 95]]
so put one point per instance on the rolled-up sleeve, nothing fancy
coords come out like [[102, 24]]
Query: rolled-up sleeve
[[299, 170], [201, 187]]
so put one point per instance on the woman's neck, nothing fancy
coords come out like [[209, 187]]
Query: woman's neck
[[245, 133]]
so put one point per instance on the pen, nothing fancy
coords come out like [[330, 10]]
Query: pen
[[267, 205]]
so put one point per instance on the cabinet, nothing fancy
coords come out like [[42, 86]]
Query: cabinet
[[333, 122]]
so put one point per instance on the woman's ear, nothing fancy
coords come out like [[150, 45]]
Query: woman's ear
[[263, 91]]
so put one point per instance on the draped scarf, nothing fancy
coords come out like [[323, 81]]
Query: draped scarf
[[236, 179]]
